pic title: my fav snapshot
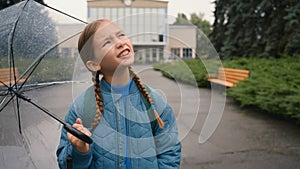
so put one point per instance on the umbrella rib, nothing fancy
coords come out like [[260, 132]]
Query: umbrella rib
[[10, 49], [17, 112], [34, 65], [3, 84], [19, 95], [5, 98], [19, 116], [62, 12], [7, 103]]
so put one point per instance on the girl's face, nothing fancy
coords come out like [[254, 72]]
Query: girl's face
[[112, 48]]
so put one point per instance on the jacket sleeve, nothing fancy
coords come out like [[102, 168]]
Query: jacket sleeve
[[65, 148], [168, 146]]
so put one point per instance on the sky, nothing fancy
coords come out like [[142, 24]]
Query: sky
[[78, 8]]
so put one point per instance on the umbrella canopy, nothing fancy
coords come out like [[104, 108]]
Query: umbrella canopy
[[36, 51]]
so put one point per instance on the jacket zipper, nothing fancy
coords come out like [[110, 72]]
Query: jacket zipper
[[118, 137], [127, 131]]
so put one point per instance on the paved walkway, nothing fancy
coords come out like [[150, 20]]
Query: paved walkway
[[243, 138]]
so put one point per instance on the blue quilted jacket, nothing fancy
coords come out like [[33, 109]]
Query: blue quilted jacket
[[124, 132]]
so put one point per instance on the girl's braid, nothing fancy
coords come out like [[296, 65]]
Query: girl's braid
[[99, 102], [146, 94]]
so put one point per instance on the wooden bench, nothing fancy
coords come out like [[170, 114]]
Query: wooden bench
[[228, 77], [5, 78]]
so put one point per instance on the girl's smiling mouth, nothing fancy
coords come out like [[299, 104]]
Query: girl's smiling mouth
[[124, 54]]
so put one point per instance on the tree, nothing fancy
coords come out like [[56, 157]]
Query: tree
[[35, 32], [292, 29], [260, 28], [181, 19], [201, 23], [197, 20], [219, 27], [203, 27]]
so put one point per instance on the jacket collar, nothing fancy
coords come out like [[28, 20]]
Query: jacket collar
[[106, 88]]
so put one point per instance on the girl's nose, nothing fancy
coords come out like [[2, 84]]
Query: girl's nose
[[119, 43]]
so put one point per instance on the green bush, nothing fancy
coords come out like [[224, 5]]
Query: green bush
[[49, 69], [273, 85], [191, 71]]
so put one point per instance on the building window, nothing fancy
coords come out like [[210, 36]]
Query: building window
[[154, 23], [175, 52], [141, 25], [100, 12], [114, 14], [134, 29], [120, 21], [107, 13], [187, 53], [161, 24], [161, 53], [147, 52], [154, 54], [92, 13], [127, 20], [147, 33]]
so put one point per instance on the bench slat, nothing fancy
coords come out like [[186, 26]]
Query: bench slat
[[229, 77], [232, 77], [7, 78], [236, 74], [235, 70], [221, 72], [222, 82]]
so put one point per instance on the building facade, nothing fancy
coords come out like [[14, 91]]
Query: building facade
[[182, 41], [144, 21]]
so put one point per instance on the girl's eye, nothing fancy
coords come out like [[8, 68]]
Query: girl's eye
[[105, 43], [122, 34]]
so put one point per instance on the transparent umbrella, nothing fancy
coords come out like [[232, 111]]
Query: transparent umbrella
[[34, 53]]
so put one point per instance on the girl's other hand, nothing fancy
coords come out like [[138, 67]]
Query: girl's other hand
[[80, 145]]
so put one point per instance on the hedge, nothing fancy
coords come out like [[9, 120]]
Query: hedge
[[50, 69], [273, 86]]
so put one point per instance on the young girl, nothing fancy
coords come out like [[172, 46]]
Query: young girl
[[131, 125]]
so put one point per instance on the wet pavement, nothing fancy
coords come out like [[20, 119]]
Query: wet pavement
[[243, 138]]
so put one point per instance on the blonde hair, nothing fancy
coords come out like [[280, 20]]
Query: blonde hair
[[86, 53]]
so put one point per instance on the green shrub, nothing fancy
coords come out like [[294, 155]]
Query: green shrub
[[191, 71], [49, 69], [273, 85]]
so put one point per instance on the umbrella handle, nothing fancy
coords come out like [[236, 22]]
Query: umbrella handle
[[69, 128], [78, 134]]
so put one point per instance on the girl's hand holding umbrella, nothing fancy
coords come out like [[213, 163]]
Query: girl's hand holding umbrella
[[80, 145]]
